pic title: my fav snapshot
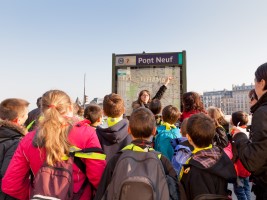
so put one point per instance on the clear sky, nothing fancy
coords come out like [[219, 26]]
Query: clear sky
[[51, 44]]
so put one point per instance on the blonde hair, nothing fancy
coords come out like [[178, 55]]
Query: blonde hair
[[217, 115], [54, 126]]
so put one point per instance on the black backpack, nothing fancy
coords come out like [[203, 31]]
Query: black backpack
[[55, 182], [138, 175]]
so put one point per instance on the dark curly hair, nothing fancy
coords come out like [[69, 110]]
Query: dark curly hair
[[191, 101]]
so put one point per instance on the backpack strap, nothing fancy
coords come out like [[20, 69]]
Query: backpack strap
[[89, 153], [81, 165], [77, 158]]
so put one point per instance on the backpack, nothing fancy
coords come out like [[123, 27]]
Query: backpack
[[162, 142], [138, 175], [56, 182], [181, 155]]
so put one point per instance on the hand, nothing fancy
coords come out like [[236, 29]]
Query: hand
[[169, 78]]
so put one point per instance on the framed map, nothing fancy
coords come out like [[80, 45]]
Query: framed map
[[128, 81]]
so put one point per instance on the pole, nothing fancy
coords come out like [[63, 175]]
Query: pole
[[84, 99]]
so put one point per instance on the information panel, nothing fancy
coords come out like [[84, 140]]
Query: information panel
[[133, 73]]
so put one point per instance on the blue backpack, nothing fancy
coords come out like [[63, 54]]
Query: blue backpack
[[162, 142], [181, 154]]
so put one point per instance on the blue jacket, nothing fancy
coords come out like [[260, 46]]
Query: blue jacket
[[163, 140]]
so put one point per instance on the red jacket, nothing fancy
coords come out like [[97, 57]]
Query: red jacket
[[241, 170], [16, 182], [188, 114]]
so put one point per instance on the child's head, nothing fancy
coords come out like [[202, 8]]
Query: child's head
[[183, 127], [170, 114], [217, 115], [15, 110], [142, 123], [155, 106], [93, 112], [39, 102], [239, 118], [78, 110], [113, 105], [201, 129]]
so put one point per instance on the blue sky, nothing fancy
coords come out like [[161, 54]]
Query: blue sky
[[47, 44]]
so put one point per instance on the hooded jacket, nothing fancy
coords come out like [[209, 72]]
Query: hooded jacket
[[10, 135], [208, 172], [27, 157], [114, 138]]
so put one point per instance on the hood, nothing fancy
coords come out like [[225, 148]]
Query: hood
[[176, 141], [114, 134], [215, 161], [10, 130]]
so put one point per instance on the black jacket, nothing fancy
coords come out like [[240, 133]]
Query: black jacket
[[208, 172], [33, 116], [220, 139], [253, 154], [114, 138], [10, 135]]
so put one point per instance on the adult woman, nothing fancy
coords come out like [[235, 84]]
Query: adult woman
[[191, 105], [144, 97], [253, 154], [51, 142]]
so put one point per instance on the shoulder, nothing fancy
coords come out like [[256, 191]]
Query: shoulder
[[261, 110], [28, 138], [136, 104], [83, 136]]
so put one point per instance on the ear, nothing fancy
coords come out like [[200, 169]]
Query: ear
[[189, 139], [154, 131], [262, 83], [16, 120], [129, 130], [99, 119]]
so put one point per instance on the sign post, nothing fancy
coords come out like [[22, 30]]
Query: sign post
[[132, 73]]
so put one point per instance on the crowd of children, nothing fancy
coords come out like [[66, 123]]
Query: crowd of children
[[147, 156]]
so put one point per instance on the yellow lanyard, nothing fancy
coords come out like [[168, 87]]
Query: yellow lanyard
[[168, 126]]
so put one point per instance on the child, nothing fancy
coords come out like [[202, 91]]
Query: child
[[155, 107], [209, 169], [183, 140], [182, 149], [34, 116], [13, 114], [93, 113], [167, 131], [141, 128], [222, 126], [241, 187], [115, 136], [50, 144]]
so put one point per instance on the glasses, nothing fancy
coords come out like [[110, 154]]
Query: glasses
[[252, 98], [145, 95]]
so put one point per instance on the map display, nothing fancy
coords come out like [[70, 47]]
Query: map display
[[131, 80]]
